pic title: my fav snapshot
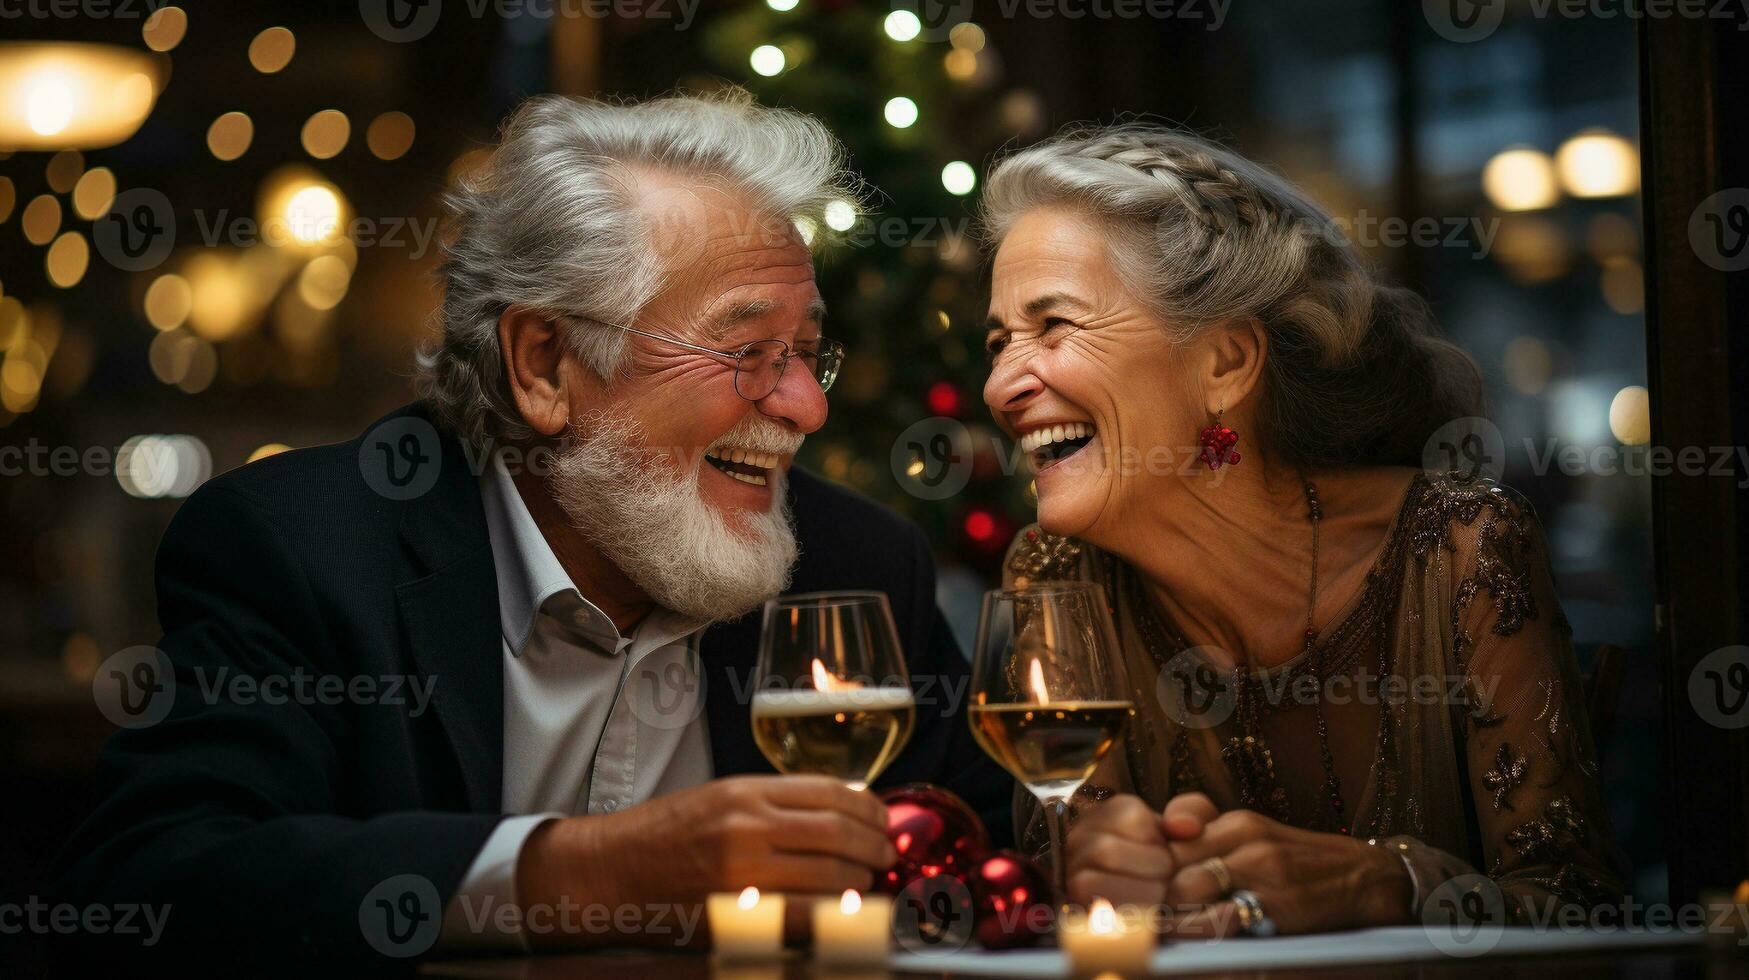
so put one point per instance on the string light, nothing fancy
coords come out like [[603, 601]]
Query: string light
[[63, 170], [840, 215], [959, 178], [272, 50], [42, 218], [900, 112], [94, 192], [390, 135], [782, 6], [67, 260], [230, 135], [903, 25], [1520, 180], [165, 28], [1630, 416], [1598, 163], [767, 60], [325, 133]]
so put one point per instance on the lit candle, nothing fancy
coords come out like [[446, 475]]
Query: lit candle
[[1106, 941], [854, 932], [747, 926]]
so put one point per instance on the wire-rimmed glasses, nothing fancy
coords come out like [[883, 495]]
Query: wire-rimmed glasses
[[759, 366]]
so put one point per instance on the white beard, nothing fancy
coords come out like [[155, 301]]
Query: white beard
[[655, 526]]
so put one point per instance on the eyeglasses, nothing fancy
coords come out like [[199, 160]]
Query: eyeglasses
[[759, 366]]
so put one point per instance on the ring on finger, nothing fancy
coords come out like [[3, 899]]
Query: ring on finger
[[1252, 921], [1217, 870]]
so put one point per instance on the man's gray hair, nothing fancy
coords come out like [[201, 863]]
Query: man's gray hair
[[551, 222]]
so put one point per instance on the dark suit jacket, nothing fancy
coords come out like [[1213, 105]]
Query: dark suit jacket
[[264, 826]]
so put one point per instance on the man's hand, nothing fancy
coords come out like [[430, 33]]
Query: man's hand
[[777, 833]]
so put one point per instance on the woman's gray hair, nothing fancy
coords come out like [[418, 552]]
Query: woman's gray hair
[[551, 222], [1356, 371]]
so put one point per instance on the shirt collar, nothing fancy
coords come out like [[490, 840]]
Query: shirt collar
[[529, 574]]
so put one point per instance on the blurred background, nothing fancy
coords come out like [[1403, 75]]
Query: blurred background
[[296, 155]]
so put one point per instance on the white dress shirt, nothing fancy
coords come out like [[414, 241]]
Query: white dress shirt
[[594, 721]]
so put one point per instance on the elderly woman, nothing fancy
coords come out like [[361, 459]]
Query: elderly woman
[[1355, 692]]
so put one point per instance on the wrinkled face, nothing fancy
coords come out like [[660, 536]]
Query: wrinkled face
[[735, 278], [1083, 376]]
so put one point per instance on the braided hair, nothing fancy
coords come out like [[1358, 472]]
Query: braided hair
[[1356, 370]]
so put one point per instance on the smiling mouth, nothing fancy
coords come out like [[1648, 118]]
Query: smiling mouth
[[1055, 443], [745, 465]]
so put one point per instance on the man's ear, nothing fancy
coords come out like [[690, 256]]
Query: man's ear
[[542, 373], [1234, 362]]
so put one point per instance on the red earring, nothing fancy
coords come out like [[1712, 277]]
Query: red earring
[[1218, 442]]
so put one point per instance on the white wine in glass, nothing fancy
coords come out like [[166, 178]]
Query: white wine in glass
[[834, 697], [1049, 698]]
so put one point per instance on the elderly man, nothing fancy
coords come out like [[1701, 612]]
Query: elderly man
[[560, 547]]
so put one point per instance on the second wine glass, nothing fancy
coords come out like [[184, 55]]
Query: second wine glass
[[833, 694], [1049, 697]]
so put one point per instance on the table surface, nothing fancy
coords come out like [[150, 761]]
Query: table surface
[[1684, 962]]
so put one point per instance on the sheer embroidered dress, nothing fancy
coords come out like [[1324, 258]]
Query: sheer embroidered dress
[[1472, 755]]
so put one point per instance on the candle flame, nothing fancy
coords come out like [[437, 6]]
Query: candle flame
[[1102, 918], [749, 898], [1038, 683], [850, 903], [825, 680]]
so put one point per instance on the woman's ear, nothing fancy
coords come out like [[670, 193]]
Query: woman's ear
[[1234, 362], [539, 368]]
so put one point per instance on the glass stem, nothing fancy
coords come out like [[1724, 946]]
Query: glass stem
[[1056, 814]]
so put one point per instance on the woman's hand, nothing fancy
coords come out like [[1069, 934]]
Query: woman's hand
[[1305, 880], [1118, 849]]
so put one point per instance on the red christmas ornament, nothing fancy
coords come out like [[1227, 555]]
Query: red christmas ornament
[[1011, 899], [944, 398], [935, 833], [1217, 444]]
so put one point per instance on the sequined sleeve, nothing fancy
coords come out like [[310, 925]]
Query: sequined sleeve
[[1544, 832]]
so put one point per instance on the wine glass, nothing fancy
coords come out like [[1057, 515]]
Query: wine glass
[[1048, 697], [833, 695]]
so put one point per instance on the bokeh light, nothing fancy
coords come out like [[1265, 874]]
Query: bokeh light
[[389, 135], [959, 178], [1630, 416], [230, 135], [165, 28], [767, 60], [325, 134], [94, 193], [1520, 180], [900, 112], [272, 50], [1598, 163]]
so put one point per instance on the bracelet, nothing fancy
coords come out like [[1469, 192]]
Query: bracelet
[[1402, 852]]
